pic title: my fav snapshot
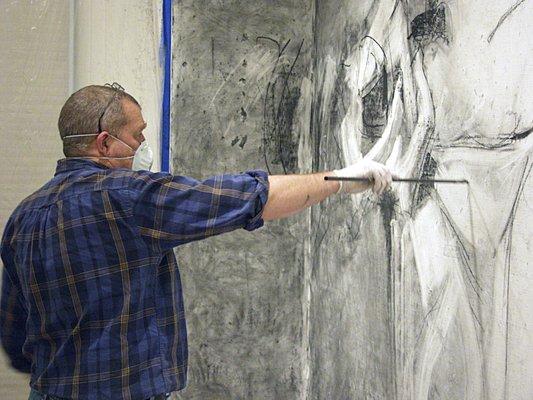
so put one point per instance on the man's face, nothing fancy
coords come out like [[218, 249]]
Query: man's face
[[131, 134]]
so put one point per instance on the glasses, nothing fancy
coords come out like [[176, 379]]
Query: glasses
[[118, 88]]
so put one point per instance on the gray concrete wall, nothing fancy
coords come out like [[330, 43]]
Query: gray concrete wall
[[241, 101]]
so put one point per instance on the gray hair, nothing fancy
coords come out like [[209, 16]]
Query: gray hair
[[91, 109]]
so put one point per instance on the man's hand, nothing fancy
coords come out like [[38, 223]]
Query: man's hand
[[378, 175], [289, 194]]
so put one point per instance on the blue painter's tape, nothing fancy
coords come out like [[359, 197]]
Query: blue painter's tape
[[165, 123]]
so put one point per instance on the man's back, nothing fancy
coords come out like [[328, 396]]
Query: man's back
[[91, 279]]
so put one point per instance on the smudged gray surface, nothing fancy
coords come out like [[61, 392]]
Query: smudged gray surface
[[239, 69], [421, 294], [351, 336]]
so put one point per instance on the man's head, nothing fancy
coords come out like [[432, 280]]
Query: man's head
[[105, 114]]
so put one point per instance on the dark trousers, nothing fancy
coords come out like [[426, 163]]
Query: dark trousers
[[35, 395]]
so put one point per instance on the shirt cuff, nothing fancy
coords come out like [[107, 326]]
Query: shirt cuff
[[261, 191]]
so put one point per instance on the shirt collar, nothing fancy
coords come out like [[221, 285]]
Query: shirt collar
[[73, 164]]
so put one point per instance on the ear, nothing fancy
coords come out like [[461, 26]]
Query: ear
[[103, 142]]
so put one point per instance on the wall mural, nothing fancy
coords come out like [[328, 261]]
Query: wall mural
[[422, 293]]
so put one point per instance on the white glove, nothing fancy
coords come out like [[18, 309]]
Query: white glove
[[380, 177]]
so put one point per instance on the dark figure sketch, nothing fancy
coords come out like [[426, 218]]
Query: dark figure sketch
[[449, 267], [404, 140]]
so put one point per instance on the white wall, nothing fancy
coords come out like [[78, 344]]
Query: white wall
[[48, 49], [33, 86], [120, 41]]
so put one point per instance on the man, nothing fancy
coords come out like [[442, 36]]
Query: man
[[91, 295]]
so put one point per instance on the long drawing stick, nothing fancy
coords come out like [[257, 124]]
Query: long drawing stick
[[414, 180]]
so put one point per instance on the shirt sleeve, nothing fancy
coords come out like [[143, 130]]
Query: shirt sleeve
[[172, 210], [13, 316]]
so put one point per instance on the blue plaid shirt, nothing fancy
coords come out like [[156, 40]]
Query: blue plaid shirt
[[91, 296]]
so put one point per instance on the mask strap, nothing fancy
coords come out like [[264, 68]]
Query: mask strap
[[100, 157], [125, 144], [81, 135]]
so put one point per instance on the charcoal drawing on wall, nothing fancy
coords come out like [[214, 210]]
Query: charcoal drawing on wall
[[420, 294], [241, 74]]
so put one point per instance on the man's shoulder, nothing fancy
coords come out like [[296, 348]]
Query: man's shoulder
[[32, 200], [67, 185]]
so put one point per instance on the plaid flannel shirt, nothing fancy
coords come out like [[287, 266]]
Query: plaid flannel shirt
[[91, 296]]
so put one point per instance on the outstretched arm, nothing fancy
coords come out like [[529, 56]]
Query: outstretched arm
[[289, 194]]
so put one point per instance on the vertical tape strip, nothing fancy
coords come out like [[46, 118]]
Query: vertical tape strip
[[165, 123]]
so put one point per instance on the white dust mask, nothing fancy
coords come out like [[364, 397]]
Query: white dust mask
[[143, 157]]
